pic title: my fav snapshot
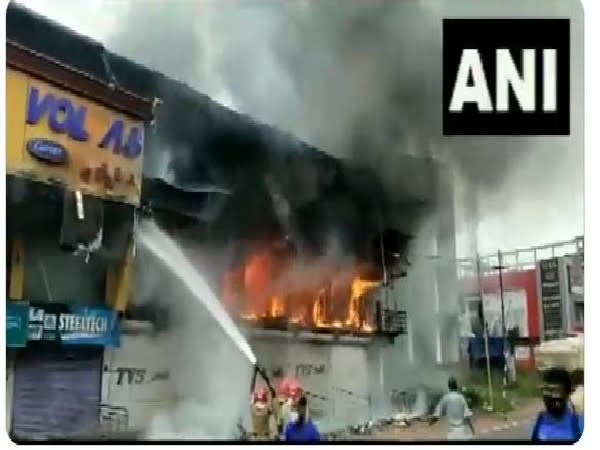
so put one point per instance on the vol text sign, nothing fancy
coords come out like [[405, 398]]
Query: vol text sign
[[58, 137], [506, 77]]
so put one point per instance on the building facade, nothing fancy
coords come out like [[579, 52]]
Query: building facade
[[84, 155], [74, 166], [541, 291]]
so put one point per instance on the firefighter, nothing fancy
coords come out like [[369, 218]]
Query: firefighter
[[261, 414], [284, 408]]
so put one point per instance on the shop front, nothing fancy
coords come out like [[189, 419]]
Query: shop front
[[57, 372], [74, 161], [74, 151]]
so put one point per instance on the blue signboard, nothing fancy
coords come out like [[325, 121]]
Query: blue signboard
[[17, 319], [89, 325], [74, 325]]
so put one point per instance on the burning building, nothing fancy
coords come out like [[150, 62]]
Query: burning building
[[341, 273], [329, 271]]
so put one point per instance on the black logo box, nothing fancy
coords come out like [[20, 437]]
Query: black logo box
[[487, 35]]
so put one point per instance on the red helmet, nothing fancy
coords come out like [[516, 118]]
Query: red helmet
[[289, 388], [261, 395]]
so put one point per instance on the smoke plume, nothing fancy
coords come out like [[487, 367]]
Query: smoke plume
[[362, 80], [358, 79], [210, 372]]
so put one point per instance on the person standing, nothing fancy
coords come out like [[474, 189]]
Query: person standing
[[454, 407], [302, 429], [559, 422]]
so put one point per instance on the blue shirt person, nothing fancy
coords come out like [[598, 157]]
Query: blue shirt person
[[559, 422], [302, 429]]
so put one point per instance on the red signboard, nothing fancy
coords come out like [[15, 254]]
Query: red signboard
[[512, 281]]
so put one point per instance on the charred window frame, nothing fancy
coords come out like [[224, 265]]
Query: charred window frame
[[392, 321], [50, 232]]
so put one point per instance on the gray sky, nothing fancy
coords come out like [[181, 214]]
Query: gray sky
[[253, 58]]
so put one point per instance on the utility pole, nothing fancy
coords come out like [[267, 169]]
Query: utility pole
[[485, 338], [500, 267], [507, 352]]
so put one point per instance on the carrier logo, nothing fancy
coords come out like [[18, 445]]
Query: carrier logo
[[47, 151], [506, 77]]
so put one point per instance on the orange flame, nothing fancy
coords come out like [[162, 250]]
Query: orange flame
[[318, 313], [359, 289], [296, 320], [276, 308], [335, 299]]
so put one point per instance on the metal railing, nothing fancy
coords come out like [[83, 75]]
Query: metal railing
[[390, 320], [520, 259]]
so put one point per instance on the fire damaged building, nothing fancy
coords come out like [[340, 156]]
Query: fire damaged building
[[341, 273]]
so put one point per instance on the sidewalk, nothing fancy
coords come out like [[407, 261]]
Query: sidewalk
[[483, 422]]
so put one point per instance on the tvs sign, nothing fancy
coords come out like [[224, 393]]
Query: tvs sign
[[506, 77], [71, 140]]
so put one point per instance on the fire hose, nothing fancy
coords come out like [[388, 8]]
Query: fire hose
[[273, 410], [258, 370]]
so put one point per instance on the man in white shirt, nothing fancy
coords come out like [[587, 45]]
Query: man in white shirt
[[454, 407]]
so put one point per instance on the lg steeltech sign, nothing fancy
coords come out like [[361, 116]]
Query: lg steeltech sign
[[506, 77]]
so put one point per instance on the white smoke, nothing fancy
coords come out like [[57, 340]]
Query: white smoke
[[211, 373]]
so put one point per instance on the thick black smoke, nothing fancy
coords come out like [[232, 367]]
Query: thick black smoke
[[355, 78], [358, 79]]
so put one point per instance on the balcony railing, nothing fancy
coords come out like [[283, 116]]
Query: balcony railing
[[390, 321], [520, 259]]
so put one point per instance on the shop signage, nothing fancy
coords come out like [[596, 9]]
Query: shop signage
[[64, 116], [73, 325], [551, 298], [72, 140], [17, 319], [575, 272]]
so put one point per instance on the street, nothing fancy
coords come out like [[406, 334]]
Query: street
[[516, 426], [421, 432], [522, 431]]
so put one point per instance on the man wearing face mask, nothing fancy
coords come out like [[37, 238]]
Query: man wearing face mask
[[560, 421]]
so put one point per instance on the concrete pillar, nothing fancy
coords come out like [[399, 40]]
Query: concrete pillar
[[446, 266]]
